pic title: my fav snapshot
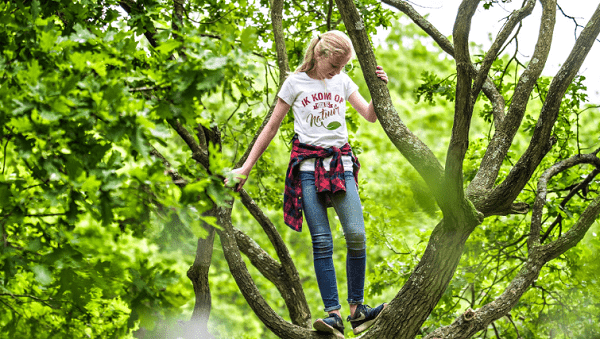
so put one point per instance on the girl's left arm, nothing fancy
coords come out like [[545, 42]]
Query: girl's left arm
[[360, 104]]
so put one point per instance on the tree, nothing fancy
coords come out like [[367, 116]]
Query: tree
[[119, 116]]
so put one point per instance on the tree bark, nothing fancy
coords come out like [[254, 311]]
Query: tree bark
[[413, 304], [489, 89], [198, 274], [473, 321], [407, 312], [276, 21], [416, 152], [248, 288], [287, 279], [504, 194], [463, 108], [507, 130]]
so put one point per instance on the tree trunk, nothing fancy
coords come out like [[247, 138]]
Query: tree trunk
[[410, 308], [198, 274]]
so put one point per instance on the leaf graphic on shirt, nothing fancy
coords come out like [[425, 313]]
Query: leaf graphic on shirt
[[333, 125]]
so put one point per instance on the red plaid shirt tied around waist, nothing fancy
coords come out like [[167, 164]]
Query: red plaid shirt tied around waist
[[325, 181]]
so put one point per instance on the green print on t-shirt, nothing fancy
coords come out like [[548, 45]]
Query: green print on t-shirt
[[328, 109], [333, 125]]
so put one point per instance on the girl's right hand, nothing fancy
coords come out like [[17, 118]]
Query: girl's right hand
[[236, 179]]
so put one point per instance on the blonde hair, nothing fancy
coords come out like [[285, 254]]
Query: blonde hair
[[327, 44]]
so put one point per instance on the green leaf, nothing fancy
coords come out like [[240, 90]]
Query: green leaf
[[49, 115], [42, 274], [167, 47], [22, 107], [34, 70], [5, 195], [47, 40], [91, 184], [248, 38], [215, 63], [81, 34]]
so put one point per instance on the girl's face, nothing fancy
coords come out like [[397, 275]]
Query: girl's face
[[328, 67]]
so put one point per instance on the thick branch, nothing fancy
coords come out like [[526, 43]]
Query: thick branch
[[131, 7], [505, 132], [577, 231], [329, 10], [480, 319], [575, 234], [467, 326], [259, 258], [199, 154], [463, 108], [413, 304], [276, 20], [178, 12], [489, 89], [244, 280], [540, 199], [290, 279], [291, 291], [238, 269], [518, 177], [417, 152], [198, 271], [198, 275]]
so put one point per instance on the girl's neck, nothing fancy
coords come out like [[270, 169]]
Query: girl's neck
[[314, 75]]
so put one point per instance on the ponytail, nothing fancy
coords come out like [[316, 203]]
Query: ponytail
[[325, 45]]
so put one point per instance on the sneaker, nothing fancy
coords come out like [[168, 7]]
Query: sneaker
[[364, 317], [332, 324]]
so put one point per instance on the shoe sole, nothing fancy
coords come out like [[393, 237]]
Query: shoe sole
[[364, 326], [320, 326]]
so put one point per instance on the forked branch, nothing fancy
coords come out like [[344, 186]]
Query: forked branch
[[475, 321], [503, 195], [506, 132], [489, 89]]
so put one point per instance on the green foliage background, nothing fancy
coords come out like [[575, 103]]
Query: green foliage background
[[97, 239]]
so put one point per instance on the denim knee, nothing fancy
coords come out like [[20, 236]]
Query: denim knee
[[356, 242], [322, 245]]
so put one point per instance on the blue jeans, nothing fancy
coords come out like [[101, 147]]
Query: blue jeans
[[349, 210]]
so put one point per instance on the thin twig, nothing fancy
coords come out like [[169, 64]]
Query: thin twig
[[45, 302], [577, 25], [45, 215], [496, 330], [582, 185], [4, 160], [211, 22], [147, 89], [515, 326]]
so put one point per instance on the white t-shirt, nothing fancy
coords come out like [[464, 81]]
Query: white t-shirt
[[319, 108]]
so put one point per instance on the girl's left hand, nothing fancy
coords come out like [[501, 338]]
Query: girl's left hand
[[381, 74]]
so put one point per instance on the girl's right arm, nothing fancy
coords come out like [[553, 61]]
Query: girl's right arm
[[263, 140]]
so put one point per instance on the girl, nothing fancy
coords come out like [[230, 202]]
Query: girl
[[323, 171]]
